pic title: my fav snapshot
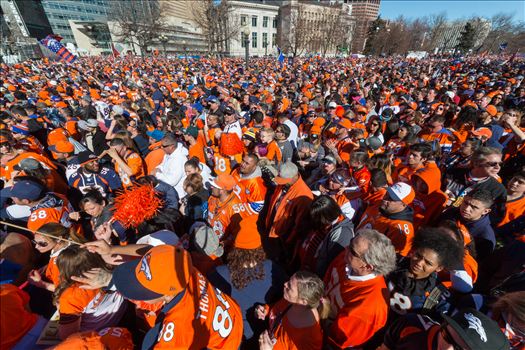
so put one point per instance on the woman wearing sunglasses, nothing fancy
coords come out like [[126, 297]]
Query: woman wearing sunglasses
[[47, 244]]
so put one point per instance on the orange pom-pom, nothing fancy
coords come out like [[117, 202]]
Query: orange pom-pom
[[135, 205]]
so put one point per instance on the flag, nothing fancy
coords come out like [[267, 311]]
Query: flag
[[115, 52], [53, 43], [503, 46], [280, 56]]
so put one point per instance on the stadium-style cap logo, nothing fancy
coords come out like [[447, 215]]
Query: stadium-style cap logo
[[475, 324], [144, 266]]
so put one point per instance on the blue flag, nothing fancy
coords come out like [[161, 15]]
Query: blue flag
[[280, 56]]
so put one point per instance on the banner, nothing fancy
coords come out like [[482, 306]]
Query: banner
[[53, 43]]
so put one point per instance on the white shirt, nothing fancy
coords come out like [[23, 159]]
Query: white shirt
[[234, 128], [171, 169], [294, 132]]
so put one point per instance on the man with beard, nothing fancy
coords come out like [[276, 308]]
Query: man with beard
[[250, 184], [91, 175]]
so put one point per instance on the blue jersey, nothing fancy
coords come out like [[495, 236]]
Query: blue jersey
[[106, 181]]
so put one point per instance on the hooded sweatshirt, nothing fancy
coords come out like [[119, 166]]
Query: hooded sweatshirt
[[428, 206]]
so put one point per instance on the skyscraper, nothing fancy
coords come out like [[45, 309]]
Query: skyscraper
[[364, 12]]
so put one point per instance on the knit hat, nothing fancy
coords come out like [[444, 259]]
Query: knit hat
[[249, 135]]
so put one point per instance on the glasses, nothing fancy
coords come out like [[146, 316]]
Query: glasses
[[492, 164], [374, 124], [40, 243], [448, 338], [166, 146]]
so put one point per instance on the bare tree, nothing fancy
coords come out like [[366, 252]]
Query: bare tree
[[333, 30], [139, 22], [297, 39], [217, 22], [437, 23], [500, 31]]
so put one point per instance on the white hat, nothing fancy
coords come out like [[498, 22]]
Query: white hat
[[332, 105], [159, 238]]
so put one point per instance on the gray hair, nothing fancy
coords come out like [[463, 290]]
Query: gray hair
[[482, 153], [381, 253], [170, 138]]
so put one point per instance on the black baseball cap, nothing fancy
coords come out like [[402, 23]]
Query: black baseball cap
[[24, 189]]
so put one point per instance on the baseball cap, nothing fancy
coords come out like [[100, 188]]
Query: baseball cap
[[477, 330], [163, 270], [87, 124], [482, 132], [373, 143], [224, 182], [159, 238], [62, 147], [212, 99], [329, 159], [206, 241], [401, 192], [24, 189], [332, 105], [155, 134], [192, 131], [229, 110], [117, 109], [345, 123], [340, 176], [86, 157], [287, 172], [492, 110], [28, 164]]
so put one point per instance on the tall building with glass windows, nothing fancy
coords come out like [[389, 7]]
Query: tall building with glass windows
[[59, 12]]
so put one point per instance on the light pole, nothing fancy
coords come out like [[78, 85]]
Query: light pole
[[246, 32], [265, 44], [163, 39]]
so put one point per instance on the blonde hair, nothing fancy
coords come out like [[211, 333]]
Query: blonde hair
[[268, 131], [311, 289], [54, 229]]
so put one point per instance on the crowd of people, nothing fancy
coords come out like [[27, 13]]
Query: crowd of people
[[153, 203]]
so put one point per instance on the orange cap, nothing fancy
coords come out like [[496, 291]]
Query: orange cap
[[164, 270], [62, 147], [316, 130], [361, 109], [248, 236], [491, 109], [339, 111], [224, 182], [345, 123]]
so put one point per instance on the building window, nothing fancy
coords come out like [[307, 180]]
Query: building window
[[274, 38], [265, 40], [243, 40], [254, 40], [254, 21], [274, 22], [243, 20], [265, 22]]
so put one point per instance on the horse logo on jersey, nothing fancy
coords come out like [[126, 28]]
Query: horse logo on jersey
[[475, 324], [144, 267]]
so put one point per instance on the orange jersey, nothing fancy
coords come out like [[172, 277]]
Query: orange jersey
[[8, 168], [404, 173], [359, 306], [398, 227], [274, 153], [289, 337], [197, 150], [53, 208], [225, 217], [110, 338], [134, 161], [223, 164], [204, 318], [250, 189], [153, 159]]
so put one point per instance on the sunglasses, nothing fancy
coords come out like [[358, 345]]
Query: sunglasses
[[166, 146], [448, 338], [40, 243], [493, 164]]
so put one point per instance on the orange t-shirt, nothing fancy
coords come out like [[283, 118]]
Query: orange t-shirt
[[134, 161], [15, 318], [513, 210], [197, 150]]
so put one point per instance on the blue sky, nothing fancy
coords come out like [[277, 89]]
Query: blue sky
[[455, 9]]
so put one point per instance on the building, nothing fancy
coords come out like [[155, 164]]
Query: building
[[363, 12], [315, 27], [60, 12], [448, 37], [260, 21]]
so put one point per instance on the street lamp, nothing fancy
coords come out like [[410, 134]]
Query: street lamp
[[246, 32], [163, 39], [265, 44]]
